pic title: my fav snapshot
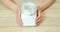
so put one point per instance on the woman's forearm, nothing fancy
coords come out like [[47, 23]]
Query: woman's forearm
[[9, 4], [45, 4]]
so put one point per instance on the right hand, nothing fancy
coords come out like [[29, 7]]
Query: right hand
[[18, 14]]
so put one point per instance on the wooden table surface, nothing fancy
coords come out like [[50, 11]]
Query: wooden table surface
[[50, 20]]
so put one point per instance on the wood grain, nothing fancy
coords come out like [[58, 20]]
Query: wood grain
[[50, 20]]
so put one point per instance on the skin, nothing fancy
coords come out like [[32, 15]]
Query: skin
[[14, 7]]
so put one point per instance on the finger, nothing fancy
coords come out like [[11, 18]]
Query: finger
[[38, 13], [38, 18], [38, 21], [37, 24], [18, 15], [19, 20]]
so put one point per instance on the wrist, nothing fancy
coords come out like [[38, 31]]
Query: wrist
[[39, 9], [14, 8]]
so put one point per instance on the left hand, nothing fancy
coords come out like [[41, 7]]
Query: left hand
[[38, 16]]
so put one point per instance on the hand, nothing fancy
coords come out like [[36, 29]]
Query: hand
[[38, 16], [19, 20]]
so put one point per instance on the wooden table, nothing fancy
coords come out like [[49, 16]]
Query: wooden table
[[50, 20]]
